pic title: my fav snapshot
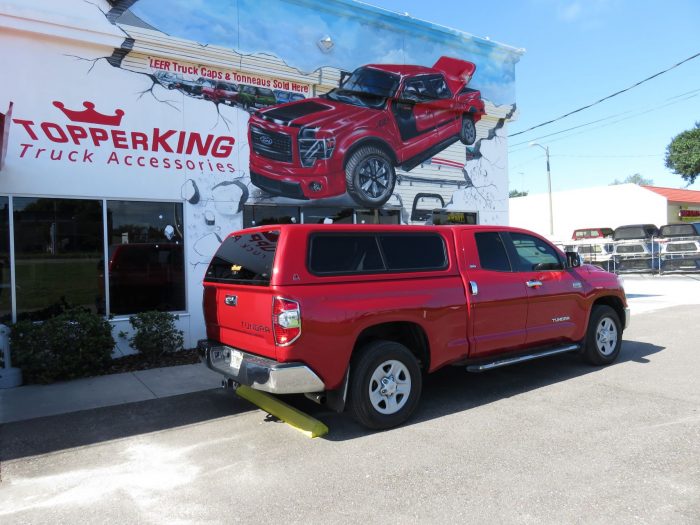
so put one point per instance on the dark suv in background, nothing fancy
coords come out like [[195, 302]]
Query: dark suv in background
[[637, 248], [680, 247]]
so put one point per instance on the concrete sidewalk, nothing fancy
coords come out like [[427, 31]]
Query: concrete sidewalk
[[33, 401], [646, 293]]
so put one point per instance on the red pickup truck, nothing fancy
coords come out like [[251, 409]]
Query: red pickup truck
[[352, 138], [353, 315]]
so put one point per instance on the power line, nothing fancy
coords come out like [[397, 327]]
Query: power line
[[608, 97], [607, 156], [668, 102]]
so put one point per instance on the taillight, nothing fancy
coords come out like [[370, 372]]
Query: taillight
[[286, 321]]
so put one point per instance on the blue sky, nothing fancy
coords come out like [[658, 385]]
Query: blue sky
[[291, 32], [577, 53]]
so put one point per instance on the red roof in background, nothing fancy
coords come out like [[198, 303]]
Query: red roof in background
[[676, 195]]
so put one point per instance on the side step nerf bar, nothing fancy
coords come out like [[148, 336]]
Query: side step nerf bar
[[483, 367]]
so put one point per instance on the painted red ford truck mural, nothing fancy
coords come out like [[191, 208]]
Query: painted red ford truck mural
[[353, 315], [352, 138]]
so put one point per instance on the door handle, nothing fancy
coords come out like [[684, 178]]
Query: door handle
[[473, 288], [533, 284]]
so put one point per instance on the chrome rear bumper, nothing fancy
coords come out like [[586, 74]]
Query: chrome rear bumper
[[258, 372]]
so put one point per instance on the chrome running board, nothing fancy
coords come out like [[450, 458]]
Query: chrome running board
[[483, 367]]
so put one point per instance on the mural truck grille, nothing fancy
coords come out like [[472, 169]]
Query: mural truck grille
[[271, 144]]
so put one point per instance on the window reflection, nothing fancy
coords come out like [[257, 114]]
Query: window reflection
[[5, 291], [58, 255], [146, 257]]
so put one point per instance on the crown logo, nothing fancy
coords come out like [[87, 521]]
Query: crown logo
[[90, 116]]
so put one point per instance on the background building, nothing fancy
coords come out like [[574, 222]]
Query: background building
[[605, 206]]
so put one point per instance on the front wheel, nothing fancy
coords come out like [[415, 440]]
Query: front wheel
[[370, 176], [603, 336], [385, 385], [467, 133]]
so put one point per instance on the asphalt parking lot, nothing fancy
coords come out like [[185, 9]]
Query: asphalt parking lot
[[550, 441]]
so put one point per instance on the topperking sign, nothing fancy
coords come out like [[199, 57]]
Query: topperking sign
[[88, 136]]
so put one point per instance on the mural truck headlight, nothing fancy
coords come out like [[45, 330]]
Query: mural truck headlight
[[314, 145]]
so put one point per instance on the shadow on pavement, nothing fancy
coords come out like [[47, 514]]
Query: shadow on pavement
[[453, 389], [88, 427], [447, 391]]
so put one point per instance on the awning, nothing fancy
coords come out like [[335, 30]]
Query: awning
[[5, 119]]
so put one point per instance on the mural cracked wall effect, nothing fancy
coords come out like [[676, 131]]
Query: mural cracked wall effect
[[467, 177]]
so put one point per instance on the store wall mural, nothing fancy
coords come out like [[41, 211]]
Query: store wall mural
[[220, 105]]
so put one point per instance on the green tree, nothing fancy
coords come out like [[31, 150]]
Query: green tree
[[635, 178], [683, 154], [517, 193]]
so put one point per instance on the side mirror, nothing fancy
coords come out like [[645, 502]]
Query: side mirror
[[573, 260]]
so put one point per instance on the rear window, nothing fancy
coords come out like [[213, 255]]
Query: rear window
[[678, 230], [244, 259], [629, 233], [630, 248], [645, 231], [373, 253]]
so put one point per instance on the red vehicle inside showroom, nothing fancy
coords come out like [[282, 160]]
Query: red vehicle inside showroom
[[353, 138]]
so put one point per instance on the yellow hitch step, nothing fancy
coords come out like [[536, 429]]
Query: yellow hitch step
[[290, 415]]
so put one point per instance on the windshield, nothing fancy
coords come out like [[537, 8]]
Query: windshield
[[366, 87]]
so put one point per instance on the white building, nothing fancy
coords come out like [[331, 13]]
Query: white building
[[606, 206]]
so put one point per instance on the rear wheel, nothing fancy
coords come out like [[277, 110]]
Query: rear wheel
[[468, 132], [370, 176], [385, 385], [603, 337]]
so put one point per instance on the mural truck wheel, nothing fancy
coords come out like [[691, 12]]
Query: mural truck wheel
[[468, 132], [370, 176]]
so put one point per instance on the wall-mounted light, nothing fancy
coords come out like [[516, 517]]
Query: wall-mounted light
[[326, 44]]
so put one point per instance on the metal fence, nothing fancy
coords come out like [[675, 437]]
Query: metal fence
[[656, 255]]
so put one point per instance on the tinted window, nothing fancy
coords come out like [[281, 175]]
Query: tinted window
[[414, 252], [327, 215], [146, 257], [245, 259], [5, 293], [342, 254], [254, 215], [534, 253], [630, 248], [59, 255], [678, 230], [492, 252], [642, 231]]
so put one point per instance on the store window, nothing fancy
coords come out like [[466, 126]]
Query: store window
[[58, 255], [5, 286], [146, 257], [379, 216], [261, 215], [313, 215]]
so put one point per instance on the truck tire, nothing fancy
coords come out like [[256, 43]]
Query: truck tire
[[385, 385], [467, 134], [603, 336], [370, 176]]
